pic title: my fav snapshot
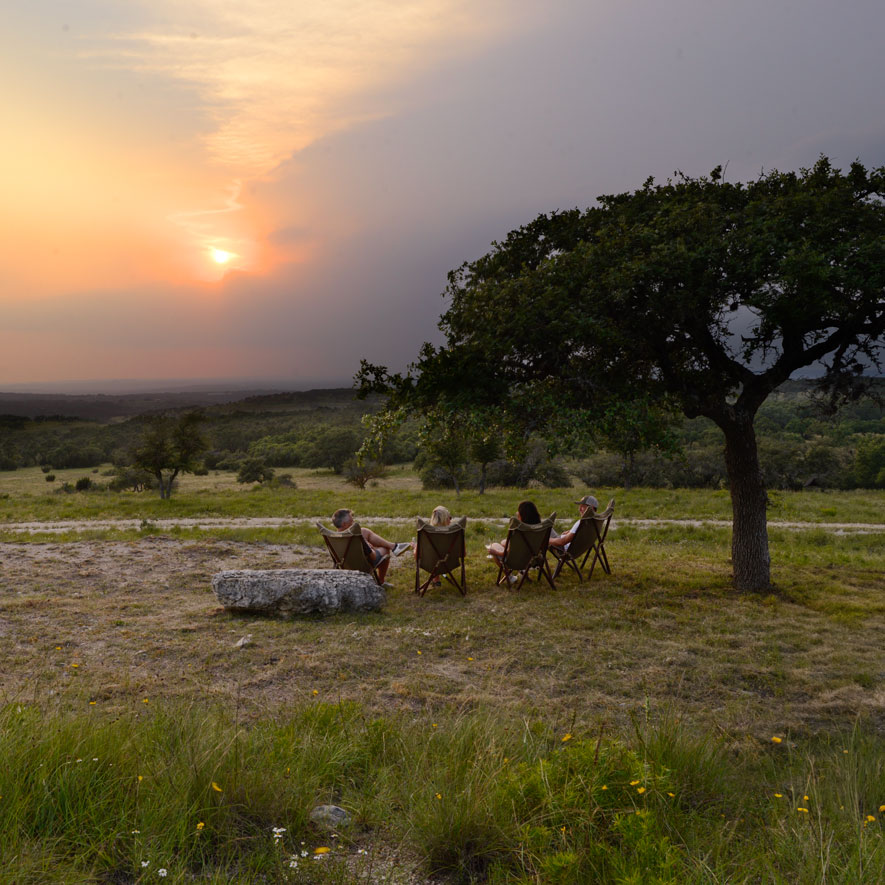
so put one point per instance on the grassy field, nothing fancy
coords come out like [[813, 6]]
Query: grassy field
[[617, 731], [25, 495]]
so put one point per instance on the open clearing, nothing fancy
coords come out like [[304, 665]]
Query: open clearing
[[118, 622]]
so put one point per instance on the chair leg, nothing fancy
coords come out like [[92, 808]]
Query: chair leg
[[604, 560], [546, 572], [593, 564]]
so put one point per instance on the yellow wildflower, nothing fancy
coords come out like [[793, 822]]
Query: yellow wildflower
[[75, 665], [200, 825], [882, 808], [803, 810], [145, 701], [567, 737], [640, 790], [92, 703], [419, 651], [322, 850], [604, 787], [778, 795], [633, 783], [805, 798], [314, 692], [870, 818], [216, 787], [776, 739], [140, 778], [439, 795], [671, 795]]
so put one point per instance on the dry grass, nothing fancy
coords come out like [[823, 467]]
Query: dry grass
[[32, 480], [118, 622]]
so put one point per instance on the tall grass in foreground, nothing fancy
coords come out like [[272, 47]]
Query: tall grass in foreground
[[194, 793]]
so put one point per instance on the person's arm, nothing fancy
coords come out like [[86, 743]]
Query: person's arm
[[562, 540]]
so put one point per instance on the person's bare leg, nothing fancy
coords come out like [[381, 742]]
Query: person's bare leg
[[496, 551], [382, 569]]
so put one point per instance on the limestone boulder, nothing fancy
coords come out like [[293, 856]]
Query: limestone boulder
[[298, 591]]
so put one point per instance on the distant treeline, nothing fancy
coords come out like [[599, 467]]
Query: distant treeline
[[800, 445]]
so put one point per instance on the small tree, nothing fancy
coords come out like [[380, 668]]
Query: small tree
[[358, 474], [630, 426], [170, 446], [485, 447], [443, 444]]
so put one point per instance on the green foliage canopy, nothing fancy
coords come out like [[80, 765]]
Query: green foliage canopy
[[698, 293]]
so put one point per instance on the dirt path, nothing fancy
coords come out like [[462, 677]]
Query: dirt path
[[263, 522]]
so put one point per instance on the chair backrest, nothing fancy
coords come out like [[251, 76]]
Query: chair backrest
[[526, 543], [441, 548], [602, 520], [347, 548], [585, 536]]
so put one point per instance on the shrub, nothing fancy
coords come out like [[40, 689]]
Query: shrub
[[869, 462], [84, 483], [50, 477], [283, 481], [254, 470]]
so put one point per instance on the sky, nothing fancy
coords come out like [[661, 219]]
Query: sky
[[272, 190]]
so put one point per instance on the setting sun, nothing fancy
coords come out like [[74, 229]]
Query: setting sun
[[219, 256]]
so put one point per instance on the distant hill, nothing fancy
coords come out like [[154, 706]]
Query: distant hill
[[105, 408]]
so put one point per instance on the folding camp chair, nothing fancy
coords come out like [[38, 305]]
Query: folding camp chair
[[588, 538], [440, 552], [525, 549], [348, 550], [601, 521]]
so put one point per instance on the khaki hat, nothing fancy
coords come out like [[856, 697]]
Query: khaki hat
[[590, 501]]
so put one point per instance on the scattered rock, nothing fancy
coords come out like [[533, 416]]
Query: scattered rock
[[244, 641], [332, 817], [298, 591]]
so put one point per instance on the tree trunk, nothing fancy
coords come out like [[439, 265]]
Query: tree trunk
[[629, 462], [749, 538], [482, 479], [455, 484]]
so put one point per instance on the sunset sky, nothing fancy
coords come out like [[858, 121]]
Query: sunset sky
[[270, 190]]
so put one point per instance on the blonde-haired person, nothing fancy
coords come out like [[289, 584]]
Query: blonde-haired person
[[440, 517]]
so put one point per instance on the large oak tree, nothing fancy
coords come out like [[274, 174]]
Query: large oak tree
[[698, 293]]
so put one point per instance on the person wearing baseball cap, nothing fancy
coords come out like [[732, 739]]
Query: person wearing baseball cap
[[588, 502]]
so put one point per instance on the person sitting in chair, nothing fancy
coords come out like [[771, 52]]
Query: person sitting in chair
[[525, 512], [439, 517], [376, 547], [588, 502]]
